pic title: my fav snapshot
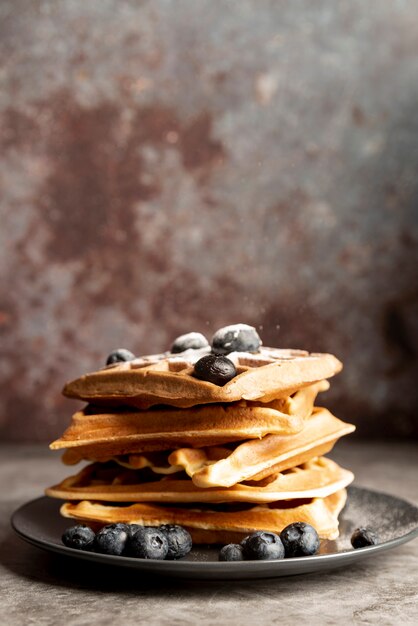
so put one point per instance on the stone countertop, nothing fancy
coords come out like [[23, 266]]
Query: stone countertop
[[41, 588]]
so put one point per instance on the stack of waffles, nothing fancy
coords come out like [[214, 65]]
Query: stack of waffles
[[164, 447]]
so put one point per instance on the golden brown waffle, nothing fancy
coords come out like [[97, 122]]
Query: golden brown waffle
[[170, 428], [168, 379], [111, 483], [115, 433], [259, 458], [221, 523]]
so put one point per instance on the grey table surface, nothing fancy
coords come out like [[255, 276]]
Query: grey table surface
[[41, 588]]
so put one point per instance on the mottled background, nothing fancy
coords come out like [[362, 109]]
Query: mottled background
[[179, 165]]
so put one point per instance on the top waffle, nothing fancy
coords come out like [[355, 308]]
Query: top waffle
[[168, 378]]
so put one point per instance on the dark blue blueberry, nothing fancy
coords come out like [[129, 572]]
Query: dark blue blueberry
[[191, 341], [215, 369], [244, 541], [119, 355], [300, 539], [80, 537], [179, 540], [364, 536], [132, 528], [148, 543], [112, 539], [236, 338], [262, 546], [231, 552]]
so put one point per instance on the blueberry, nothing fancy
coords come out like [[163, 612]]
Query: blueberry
[[132, 528], [112, 539], [148, 543], [179, 540], [236, 338], [299, 539], [262, 546], [80, 537], [215, 369], [243, 543], [191, 341], [231, 552], [119, 355], [364, 536]]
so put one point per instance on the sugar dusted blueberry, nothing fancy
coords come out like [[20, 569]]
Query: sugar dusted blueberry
[[300, 539], [190, 341], [179, 540], [148, 543], [121, 354], [236, 338], [132, 528], [79, 537], [215, 369], [231, 552], [262, 546], [364, 536], [112, 539]]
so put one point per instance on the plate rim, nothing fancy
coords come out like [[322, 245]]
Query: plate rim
[[191, 568]]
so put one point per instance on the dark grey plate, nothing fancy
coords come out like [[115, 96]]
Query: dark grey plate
[[396, 521]]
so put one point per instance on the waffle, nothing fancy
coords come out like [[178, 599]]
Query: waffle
[[317, 478], [168, 379], [257, 459], [94, 436], [222, 523]]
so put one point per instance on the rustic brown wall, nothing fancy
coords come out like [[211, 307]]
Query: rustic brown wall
[[178, 165]]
